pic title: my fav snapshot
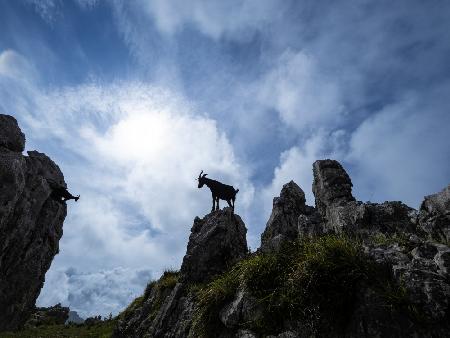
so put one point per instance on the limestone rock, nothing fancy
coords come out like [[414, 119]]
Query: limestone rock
[[282, 224], [216, 242], [30, 224], [243, 308], [11, 137], [74, 318], [331, 186], [159, 313], [332, 189], [434, 216]]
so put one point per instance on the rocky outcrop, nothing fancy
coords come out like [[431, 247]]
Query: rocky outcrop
[[216, 242], [74, 318], [341, 213], [332, 185], [407, 252], [282, 224], [412, 245], [166, 309], [53, 315], [30, 223], [434, 216]]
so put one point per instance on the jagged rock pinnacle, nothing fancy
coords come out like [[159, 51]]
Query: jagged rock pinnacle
[[30, 224], [216, 242]]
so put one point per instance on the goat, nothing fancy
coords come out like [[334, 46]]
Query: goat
[[218, 191], [60, 193]]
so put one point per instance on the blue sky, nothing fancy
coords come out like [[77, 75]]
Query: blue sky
[[133, 98]]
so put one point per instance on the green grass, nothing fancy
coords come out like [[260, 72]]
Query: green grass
[[313, 281], [161, 288], [100, 330], [383, 239]]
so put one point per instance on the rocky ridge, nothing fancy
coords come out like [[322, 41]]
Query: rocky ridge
[[408, 247], [30, 224]]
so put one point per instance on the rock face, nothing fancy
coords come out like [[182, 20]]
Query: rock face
[[216, 242], [282, 224], [332, 185], [332, 189], [409, 247], [434, 216], [74, 318], [30, 224], [413, 245]]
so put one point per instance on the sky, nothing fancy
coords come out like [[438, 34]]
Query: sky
[[132, 99]]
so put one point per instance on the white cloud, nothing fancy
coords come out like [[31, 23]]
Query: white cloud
[[235, 19], [133, 151], [14, 66], [143, 162], [304, 96], [101, 292], [296, 164], [403, 152], [47, 9]]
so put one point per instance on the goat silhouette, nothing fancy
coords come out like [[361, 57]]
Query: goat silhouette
[[60, 193], [218, 191]]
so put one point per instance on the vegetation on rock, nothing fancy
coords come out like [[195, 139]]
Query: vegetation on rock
[[312, 281]]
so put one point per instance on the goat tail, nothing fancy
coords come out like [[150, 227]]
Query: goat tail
[[236, 191]]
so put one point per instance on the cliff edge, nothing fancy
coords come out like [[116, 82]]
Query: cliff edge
[[30, 223]]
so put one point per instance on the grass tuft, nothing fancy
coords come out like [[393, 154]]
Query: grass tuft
[[312, 281]]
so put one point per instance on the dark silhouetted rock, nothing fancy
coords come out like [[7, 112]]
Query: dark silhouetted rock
[[74, 318], [93, 320], [216, 242], [394, 238], [30, 224], [332, 189], [332, 185], [282, 224], [53, 315], [11, 137], [434, 216]]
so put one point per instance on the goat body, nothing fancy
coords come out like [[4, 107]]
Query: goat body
[[218, 191], [61, 194]]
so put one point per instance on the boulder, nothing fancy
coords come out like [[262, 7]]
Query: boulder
[[216, 242]]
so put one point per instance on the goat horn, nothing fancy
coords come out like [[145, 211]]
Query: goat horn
[[200, 174]]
